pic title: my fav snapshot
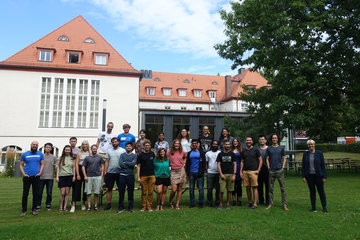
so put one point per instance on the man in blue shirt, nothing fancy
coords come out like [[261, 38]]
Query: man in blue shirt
[[126, 136], [276, 160], [34, 164], [195, 168]]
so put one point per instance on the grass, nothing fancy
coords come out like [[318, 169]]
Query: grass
[[352, 156], [342, 222]]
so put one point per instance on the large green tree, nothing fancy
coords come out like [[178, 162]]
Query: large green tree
[[309, 51]]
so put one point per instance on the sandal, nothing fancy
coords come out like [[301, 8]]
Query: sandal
[[88, 209], [171, 205], [161, 207], [177, 208], [60, 210], [157, 207], [96, 209]]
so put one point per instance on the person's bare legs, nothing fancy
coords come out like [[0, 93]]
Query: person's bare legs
[[228, 198], [61, 198], [172, 194], [158, 196], [163, 197], [88, 198], [96, 200], [178, 196], [66, 198], [256, 194], [249, 194], [221, 196]]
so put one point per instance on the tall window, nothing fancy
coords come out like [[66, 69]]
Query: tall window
[[45, 56], [73, 57], [69, 103], [182, 92], [167, 91], [150, 91], [197, 93], [212, 94]]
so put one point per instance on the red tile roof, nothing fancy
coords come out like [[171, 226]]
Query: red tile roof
[[248, 78], [76, 30]]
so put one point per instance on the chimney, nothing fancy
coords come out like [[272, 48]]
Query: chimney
[[227, 86]]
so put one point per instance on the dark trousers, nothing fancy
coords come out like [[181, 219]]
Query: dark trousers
[[312, 181], [49, 186], [126, 181], [77, 186], [213, 182], [27, 182], [263, 179], [237, 189], [200, 184]]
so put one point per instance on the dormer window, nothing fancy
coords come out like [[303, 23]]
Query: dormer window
[[89, 40], [73, 56], [167, 91], [212, 94], [182, 92], [63, 38], [101, 59], [150, 91], [214, 83], [197, 93], [45, 55], [186, 81]]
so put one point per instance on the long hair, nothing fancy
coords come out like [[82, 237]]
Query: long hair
[[63, 155], [81, 147], [179, 136], [173, 150], [239, 147], [158, 157], [221, 135]]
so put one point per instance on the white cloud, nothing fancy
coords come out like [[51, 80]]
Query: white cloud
[[184, 26]]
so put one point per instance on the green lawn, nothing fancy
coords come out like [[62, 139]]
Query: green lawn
[[342, 222], [352, 156]]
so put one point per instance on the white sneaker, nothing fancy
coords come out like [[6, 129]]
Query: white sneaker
[[72, 209], [83, 207]]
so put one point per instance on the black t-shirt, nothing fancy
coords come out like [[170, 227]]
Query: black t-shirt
[[226, 162], [147, 165], [250, 157], [205, 142]]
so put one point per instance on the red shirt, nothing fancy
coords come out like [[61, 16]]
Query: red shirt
[[177, 160]]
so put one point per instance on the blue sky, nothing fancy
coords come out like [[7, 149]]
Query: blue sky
[[160, 35]]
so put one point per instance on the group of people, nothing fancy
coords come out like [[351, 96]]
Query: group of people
[[227, 165]]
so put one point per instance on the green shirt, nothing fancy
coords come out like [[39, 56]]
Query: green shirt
[[67, 169], [162, 169]]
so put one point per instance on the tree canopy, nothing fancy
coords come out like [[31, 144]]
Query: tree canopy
[[309, 51]]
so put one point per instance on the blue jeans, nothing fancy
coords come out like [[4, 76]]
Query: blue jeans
[[200, 184], [49, 186], [126, 181]]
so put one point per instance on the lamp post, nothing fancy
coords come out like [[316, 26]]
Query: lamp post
[[104, 115]]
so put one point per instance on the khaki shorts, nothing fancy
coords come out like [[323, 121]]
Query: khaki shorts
[[250, 179], [227, 184], [178, 176], [93, 185], [102, 155]]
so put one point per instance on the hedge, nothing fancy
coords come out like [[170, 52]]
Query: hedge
[[332, 147]]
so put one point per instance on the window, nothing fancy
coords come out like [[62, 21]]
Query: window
[[198, 108], [10, 151], [89, 40], [147, 74], [150, 91], [157, 79], [167, 91], [244, 106], [212, 94], [73, 57], [63, 38], [100, 59], [186, 81], [197, 93], [182, 92], [154, 125], [183, 108], [214, 83], [167, 107], [45, 56], [69, 103]]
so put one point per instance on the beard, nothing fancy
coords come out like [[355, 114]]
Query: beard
[[214, 149]]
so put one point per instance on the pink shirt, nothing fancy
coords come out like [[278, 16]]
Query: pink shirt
[[177, 160]]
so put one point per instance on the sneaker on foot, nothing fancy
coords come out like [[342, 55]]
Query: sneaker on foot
[[107, 207], [35, 213], [120, 210], [219, 207], [131, 210], [143, 209], [325, 211], [23, 214], [253, 207], [48, 209], [150, 210], [313, 210], [72, 210], [83, 207], [227, 207]]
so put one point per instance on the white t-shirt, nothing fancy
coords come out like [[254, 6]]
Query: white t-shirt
[[211, 160], [186, 145], [105, 141]]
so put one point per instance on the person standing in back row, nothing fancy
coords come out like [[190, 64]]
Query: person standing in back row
[[263, 178], [104, 140], [34, 165], [126, 137], [212, 174], [276, 161], [205, 140]]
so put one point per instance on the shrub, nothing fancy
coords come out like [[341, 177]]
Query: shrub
[[333, 147], [10, 164]]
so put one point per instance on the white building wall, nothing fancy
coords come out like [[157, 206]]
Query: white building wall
[[20, 104], [174, 106]]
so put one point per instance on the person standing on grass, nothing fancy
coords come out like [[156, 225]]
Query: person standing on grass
[[212, 174], [139, 145], [314, 174], [162, 174], [185, 140], [251, 163], [263, 178], [65, 176], [127, 163], [237, 193], [177, 158], [80, 180], [205, 140], [75, 150], [195, 168], [226, 162], [112, 170], [34, 165], [93, 168], [276, 161], [104, 140], [47, 177], [146, 176], [126, 137], [224, 136], [161, 143]]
